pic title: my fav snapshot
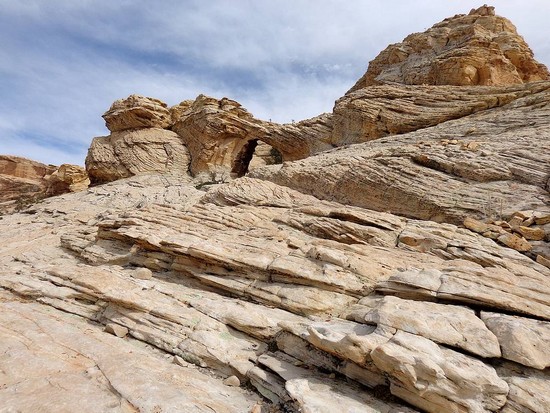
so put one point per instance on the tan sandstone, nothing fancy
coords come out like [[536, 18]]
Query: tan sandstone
[[479, 48]]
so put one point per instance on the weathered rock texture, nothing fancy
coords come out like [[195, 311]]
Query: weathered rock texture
[[23, 182], [479, 48], [136, 112], [133, 152], [222, 133], [253, 280], [486, 165], [206, 135], [222, 137], [339, 282]]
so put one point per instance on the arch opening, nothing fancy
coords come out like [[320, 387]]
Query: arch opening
[[255, 154]]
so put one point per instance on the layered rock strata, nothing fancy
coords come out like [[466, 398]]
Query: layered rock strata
[[257, 281], [487, 166], [24, 182]]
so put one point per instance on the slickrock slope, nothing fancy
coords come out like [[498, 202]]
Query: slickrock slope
[[23, 182], [310, 302], [479, 48], [486, 165], [380, 277]]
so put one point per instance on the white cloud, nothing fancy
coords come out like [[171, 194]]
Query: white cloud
[[63, 62]]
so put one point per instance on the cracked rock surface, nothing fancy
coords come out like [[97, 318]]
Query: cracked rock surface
[[310, 304]]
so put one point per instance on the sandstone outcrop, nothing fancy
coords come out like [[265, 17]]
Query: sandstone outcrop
[[136, 112], [384, 276], [254, 280], [479, 48], [23, 181], [132, 152], [487, 165], [205, 136], [217, 258], [221, 133], [377, 111], [401, 92]]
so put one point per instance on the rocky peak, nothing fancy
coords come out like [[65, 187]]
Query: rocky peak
[[483, 11], [479, 48]]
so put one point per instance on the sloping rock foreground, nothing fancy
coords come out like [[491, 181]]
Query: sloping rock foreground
[[311, 305], [23, 182]]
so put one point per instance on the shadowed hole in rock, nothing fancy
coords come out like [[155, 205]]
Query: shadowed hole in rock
[[255, 154]]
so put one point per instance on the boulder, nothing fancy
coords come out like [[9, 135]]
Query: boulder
[[137, 112], [132, 152]]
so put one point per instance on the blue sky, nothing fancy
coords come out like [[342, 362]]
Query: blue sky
[[63, 62]]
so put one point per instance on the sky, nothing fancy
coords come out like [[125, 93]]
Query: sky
[[63, 62]]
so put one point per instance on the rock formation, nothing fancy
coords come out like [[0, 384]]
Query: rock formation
[[220, 135], [23, 182], [479, 48], [405, 273], [483, 165]]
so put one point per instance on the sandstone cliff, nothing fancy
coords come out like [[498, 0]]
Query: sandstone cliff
[[406, 271]]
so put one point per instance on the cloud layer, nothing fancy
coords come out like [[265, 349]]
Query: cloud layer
[[63, 62]]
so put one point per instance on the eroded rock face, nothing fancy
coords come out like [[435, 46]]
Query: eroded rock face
[[333, 283], [208, 136], [480, 165], [479, 48], [23, 181], [222, 134], [413, 85], [378, 111], [132, 152]]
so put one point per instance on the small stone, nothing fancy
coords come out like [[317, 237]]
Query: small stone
[[257, 408], [515, 242], [482, 228], [534, 234], [502, 224], [232, 381], [529, 221], [543, 261], [142, 274], [492, 234], [475, 225], [117, 330], [516, 221], [542, 219], [523, 214]]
